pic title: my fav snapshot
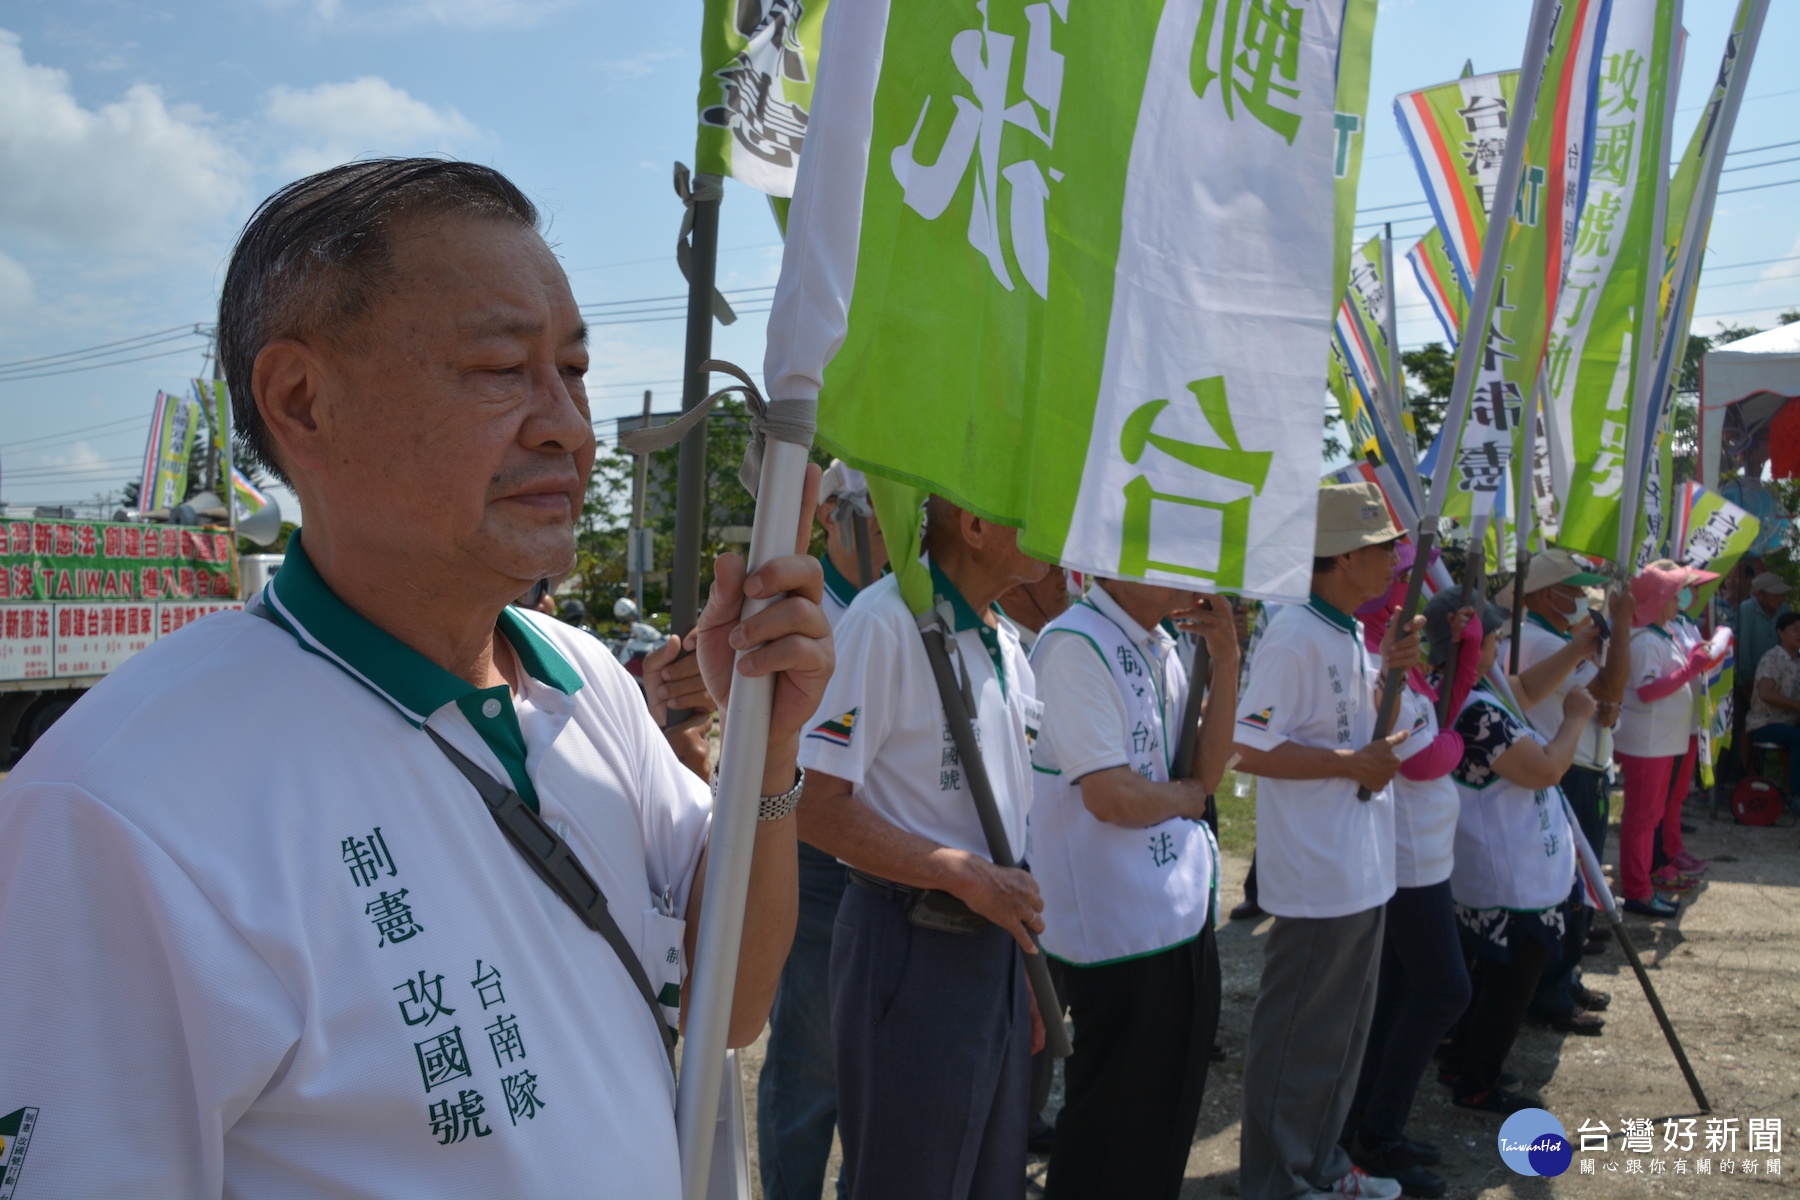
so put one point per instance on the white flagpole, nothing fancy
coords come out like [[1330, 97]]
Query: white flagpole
[[1734, 72], [1644, 339], [733, 837]]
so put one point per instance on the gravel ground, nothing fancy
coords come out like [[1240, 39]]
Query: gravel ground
[[1728, 972]]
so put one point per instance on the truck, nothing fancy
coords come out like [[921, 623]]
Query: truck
[[79, 597]]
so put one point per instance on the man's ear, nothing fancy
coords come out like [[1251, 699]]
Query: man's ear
[[288, 384], [974, 529]]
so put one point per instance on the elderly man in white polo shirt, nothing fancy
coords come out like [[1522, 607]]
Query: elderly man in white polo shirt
[[1128, 870], [931, 1013], [284, 948], [1324, 858]]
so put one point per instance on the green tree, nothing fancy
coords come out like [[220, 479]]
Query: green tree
[[1430, 375]]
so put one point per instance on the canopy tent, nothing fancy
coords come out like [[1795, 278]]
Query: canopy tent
[[1743, 385]]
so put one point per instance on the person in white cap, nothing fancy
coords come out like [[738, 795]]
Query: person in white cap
[[1128, 869], [1325, 858], [1559, 649], [796, 1093]]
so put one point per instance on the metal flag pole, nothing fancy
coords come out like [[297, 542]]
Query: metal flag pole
[[1396, 372], [1719, 120], [1474, 570], [640, 483], [732, 840], [1525, 511], [1641, 422], [700, 262], [1481, 311], [961, 720]]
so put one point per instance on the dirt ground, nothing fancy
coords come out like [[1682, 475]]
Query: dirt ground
[[1728, 972]]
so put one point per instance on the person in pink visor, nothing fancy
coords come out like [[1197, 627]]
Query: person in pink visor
[[1654, 742]]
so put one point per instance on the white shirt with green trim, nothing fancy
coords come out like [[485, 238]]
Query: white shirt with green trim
[[1320, 852], [1113, 696], [881, 725], [265, 940], [1538, 640], [839, 592], [1654, 728]]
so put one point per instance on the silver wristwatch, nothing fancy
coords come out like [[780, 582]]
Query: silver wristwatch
[[774, 808]]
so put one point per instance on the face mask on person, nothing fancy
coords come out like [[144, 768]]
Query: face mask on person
[[1580, 611], [1684, 597]]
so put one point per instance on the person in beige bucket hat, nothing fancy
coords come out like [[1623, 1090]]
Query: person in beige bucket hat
[[1325, 859]]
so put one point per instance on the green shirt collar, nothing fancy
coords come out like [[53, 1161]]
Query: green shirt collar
[[415, 686], [1546, 626], [839, 585], [964, 617], [1343, 621]]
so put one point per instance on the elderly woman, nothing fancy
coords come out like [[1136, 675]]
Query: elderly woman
[[1654, 742], [1424, 983], [1775, 699], [1514, 861]]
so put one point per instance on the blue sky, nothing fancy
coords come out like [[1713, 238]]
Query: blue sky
[[136, 137]]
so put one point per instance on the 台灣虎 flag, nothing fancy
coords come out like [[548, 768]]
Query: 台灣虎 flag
[[1458, 134], [1064, 263]]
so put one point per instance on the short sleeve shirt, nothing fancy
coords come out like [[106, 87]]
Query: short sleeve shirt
[[881, 725], [1538, 641], [1320, 852], [1084, 730], [292, 953], [1655, 728], [1488, 731], [1784, 669]]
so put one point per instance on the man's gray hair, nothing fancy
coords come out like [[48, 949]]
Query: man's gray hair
[[313, 257]]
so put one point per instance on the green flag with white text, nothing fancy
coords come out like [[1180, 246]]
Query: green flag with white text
[[1064, 263], [759, 64], [1591, 359]]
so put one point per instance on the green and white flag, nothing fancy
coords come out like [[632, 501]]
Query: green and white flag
[[1437, 279], [174, 424], [1066, 264], [1592, 357], [759, 64]]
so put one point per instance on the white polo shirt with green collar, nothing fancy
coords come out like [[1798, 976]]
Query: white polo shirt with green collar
[[263, 939], [881, 724]]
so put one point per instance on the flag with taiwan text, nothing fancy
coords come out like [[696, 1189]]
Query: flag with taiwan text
[[759, 64]]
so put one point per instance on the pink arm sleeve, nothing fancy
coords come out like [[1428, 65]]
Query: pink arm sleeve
[[1437, 759], [1669, 684], [1468, 668]]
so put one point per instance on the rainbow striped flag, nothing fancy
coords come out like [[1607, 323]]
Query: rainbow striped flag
[[1436, 274], [1458, 134]]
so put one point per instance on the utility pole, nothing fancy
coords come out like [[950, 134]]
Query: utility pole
[[690, 495], [638, 552]]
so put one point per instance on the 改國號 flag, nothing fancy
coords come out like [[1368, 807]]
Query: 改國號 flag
[[1067, 264], [759, 65], [1592, 358]]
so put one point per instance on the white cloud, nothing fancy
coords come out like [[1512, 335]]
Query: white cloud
[[336, 122], [621, 70], [16, 291], [131, 174]]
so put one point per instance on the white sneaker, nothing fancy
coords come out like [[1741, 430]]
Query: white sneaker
[[1361, 1185]]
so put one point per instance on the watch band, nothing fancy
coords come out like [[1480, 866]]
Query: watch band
[[774, 808]]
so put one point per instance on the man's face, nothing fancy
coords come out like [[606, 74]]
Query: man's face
[[1000, 547], [1371, 569], [1770, 601], [454, 427], [1164, 600]]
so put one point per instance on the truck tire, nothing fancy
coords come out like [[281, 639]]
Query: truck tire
[[13, 708], [44, 714]]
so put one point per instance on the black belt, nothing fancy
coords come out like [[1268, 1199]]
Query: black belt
[[927, 908]]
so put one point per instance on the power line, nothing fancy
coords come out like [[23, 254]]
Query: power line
[[1757, 187], [139, 421], [91, 351], [638, 262], [118, 362], [1773, 162]]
